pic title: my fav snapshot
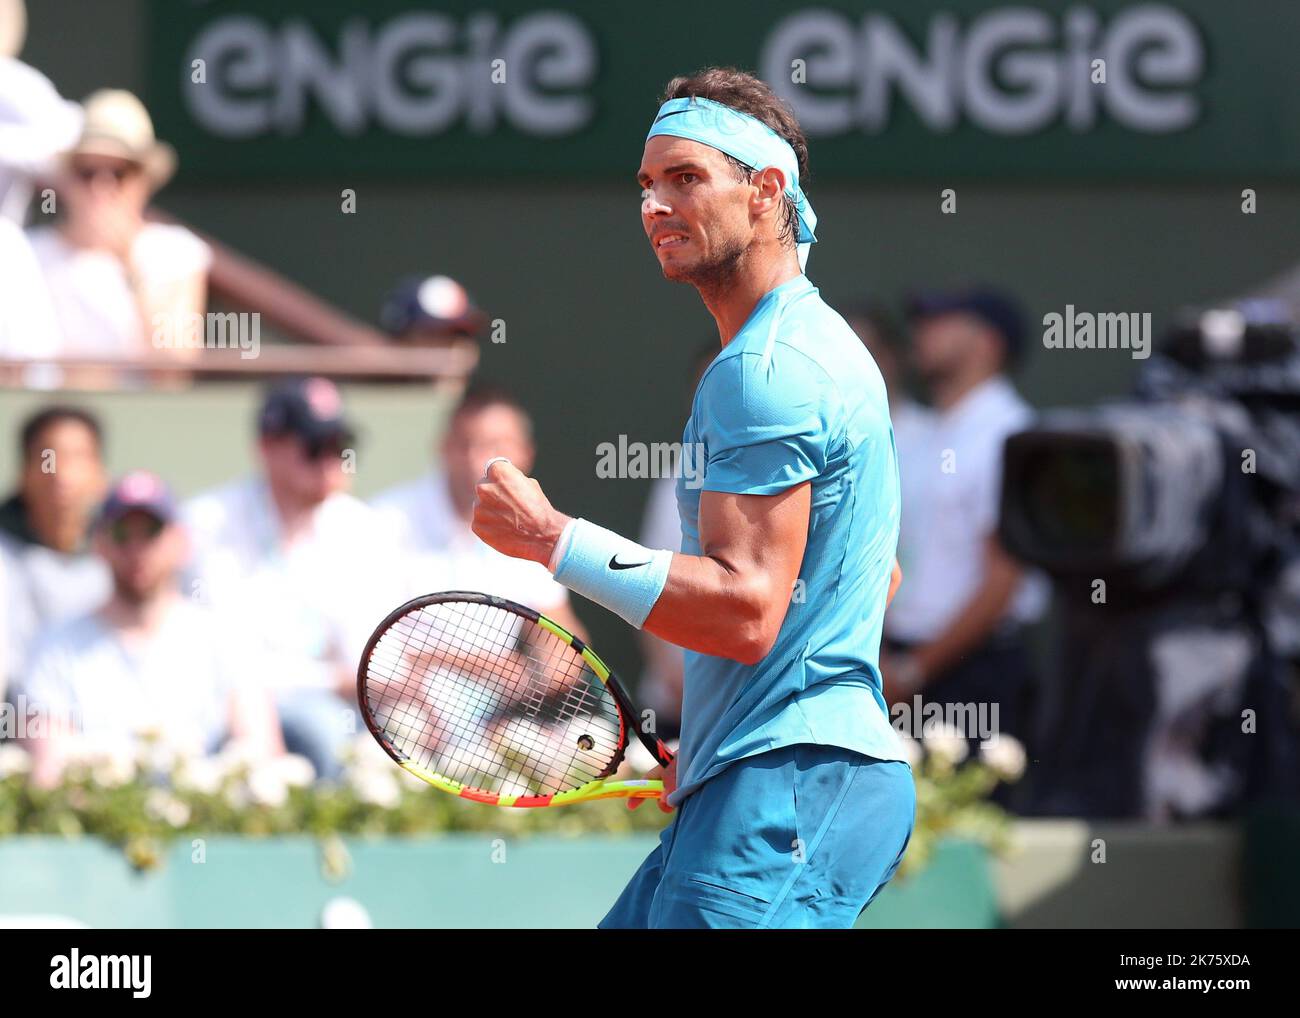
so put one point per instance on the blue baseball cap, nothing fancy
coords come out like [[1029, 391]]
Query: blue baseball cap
[[996, 309], [310, 408], [138, 491], [434, 303]]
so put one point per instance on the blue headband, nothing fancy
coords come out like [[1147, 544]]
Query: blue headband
[[744, 138]]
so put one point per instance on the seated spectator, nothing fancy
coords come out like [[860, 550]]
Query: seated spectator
[[47, 573], [121, 286], [303, 567], [150, 660], [431, 515]]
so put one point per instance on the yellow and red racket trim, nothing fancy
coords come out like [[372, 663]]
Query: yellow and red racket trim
[[638, 788], [600, 788]]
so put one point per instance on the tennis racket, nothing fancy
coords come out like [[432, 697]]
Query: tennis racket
[[492, 701]]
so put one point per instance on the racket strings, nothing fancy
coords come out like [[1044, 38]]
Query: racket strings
[[489, 699]]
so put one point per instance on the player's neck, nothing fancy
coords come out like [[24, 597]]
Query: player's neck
[[732, 300]]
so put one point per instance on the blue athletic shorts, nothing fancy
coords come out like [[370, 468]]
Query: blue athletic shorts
[[802, 837]]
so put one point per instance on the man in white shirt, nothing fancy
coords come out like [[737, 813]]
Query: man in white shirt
[[306, 569], [953, 631], [431, 515], [150, 660], [48, 572]]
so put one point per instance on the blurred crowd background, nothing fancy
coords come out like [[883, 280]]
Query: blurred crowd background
[[199, 537]]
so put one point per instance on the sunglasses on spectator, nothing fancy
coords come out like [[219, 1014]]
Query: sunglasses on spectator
[[87, 172], [319, 450], [120, 533]]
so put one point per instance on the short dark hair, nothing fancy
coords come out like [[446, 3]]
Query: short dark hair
[[36, 423], [481, 395], [743, 91]]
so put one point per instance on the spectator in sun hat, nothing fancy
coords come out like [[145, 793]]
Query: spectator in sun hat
[[121, 286], [151, 661], [304, 565]]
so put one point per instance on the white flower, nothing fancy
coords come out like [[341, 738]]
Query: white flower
[[1005, 757], [296, 771], [202, 774], [166, 807], [911, 750], [111, 763], [268, 787], [237, 759], [379, 788], [946, 743], [236, 795], [13, 760]]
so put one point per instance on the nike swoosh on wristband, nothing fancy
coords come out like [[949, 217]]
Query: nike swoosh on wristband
[[614, 563]]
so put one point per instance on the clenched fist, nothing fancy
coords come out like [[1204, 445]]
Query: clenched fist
[[513, 515]]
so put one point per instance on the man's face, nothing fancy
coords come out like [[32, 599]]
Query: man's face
[[308, 474], [695, 213], [102, 180], [474, 437], [143, 554], [945, 344], [63, 476]]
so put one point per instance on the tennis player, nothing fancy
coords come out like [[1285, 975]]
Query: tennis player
[[793, 800]]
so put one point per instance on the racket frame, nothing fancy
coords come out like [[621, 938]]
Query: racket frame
[[597, 788]]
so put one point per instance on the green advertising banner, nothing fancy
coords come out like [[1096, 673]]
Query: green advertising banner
[[904, 88]]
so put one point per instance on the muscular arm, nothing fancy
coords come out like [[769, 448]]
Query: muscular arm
[[730, 601]]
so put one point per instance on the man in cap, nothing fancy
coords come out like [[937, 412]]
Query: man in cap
[[121, 286], [303, 565], [150, 661], [953, 631]]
